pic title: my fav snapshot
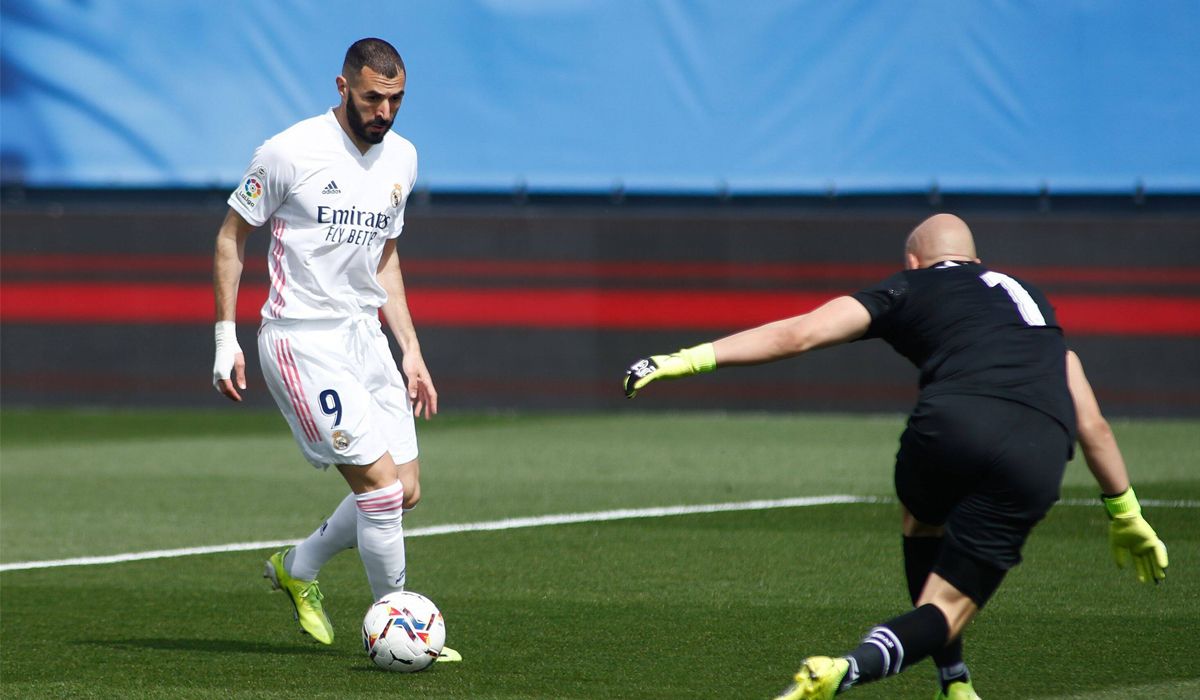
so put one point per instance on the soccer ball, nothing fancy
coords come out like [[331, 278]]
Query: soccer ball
[[403, 632]]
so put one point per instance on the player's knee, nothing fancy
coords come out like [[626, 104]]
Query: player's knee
[[409, 474], [958, 612], [412, 496], [956, 605], [911, 527], [975, 579], [362, 479]]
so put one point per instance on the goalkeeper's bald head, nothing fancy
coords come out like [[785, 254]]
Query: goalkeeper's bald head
[[940, 237]]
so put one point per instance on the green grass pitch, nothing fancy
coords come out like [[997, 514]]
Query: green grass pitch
[[720, 605]]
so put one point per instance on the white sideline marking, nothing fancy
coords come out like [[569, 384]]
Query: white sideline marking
[[532, 521]]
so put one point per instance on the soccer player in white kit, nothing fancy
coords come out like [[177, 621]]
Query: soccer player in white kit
[[333, 189]]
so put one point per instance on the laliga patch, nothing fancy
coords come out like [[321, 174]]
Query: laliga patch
[[397, 195], [340, 440], [252, 189]]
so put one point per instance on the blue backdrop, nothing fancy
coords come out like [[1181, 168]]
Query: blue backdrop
[[650, 95]]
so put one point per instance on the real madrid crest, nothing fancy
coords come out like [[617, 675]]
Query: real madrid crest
[[397, 195], [340, 440]]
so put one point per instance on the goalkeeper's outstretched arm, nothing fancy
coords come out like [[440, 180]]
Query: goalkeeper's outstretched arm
[[1130, 536], [839, 320]]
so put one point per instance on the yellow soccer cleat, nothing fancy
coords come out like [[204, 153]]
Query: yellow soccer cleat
[[447, 655], [817, 679], [305, 597], [958, 690]]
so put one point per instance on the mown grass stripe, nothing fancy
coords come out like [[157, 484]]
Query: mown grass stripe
[[527, 522]]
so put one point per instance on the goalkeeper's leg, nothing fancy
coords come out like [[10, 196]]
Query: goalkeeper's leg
[[940, 616], [888, 649], [920, 554]]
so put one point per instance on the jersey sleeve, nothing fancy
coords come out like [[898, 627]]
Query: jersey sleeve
[[880, 300], [412, 179], [402, 202], [264, 185]]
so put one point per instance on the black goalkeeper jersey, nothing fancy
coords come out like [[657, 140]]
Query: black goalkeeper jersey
[[974, 331]]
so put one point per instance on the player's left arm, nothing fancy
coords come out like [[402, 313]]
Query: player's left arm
[[421, 391], [839, 320], [1129, 535]]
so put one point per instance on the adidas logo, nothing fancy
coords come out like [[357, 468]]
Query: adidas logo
[[331, 188]]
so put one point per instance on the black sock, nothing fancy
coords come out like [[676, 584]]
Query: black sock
[[897, 644], [950, 673], [920, 554], [949, 660]]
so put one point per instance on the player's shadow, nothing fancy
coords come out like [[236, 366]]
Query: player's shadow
[[220, 646], [372, 668]]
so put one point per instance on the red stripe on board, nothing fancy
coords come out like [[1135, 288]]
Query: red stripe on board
[[37, 302], [103, 302], [118, 264]]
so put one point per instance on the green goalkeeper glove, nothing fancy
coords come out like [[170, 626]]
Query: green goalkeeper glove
[[1131, 537], [687, 361]]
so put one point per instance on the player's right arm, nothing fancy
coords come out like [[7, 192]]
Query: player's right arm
[[1130, 536], [838, 320], [229, 367]]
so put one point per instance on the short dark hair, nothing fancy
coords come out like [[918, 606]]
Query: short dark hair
[[376, 54]]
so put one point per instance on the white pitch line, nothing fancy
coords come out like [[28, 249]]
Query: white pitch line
[[532, 521], [506, 524], [1151, 502]]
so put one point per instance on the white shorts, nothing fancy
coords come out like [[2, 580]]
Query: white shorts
[[337, 385]]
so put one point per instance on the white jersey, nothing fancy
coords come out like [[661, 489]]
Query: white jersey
[[331, 210]]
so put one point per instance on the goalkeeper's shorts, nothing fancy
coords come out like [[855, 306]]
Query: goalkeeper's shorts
[[339, 389], [988, 469]]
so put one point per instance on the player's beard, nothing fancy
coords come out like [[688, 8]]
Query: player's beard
[[359, 127]]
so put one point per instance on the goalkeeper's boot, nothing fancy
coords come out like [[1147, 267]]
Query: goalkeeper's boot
[[958, 690], [305, 597], [447, 655], [817, 679]]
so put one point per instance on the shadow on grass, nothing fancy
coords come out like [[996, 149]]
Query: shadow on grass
[[217, 646]]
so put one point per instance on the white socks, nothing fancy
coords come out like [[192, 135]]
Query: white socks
[[339, 532], [381, 538], [374, 522]]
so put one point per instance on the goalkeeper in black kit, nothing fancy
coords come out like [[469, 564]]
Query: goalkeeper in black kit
[[1002, 402]]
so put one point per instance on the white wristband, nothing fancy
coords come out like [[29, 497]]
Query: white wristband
[[227, 350], [226, 334]]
